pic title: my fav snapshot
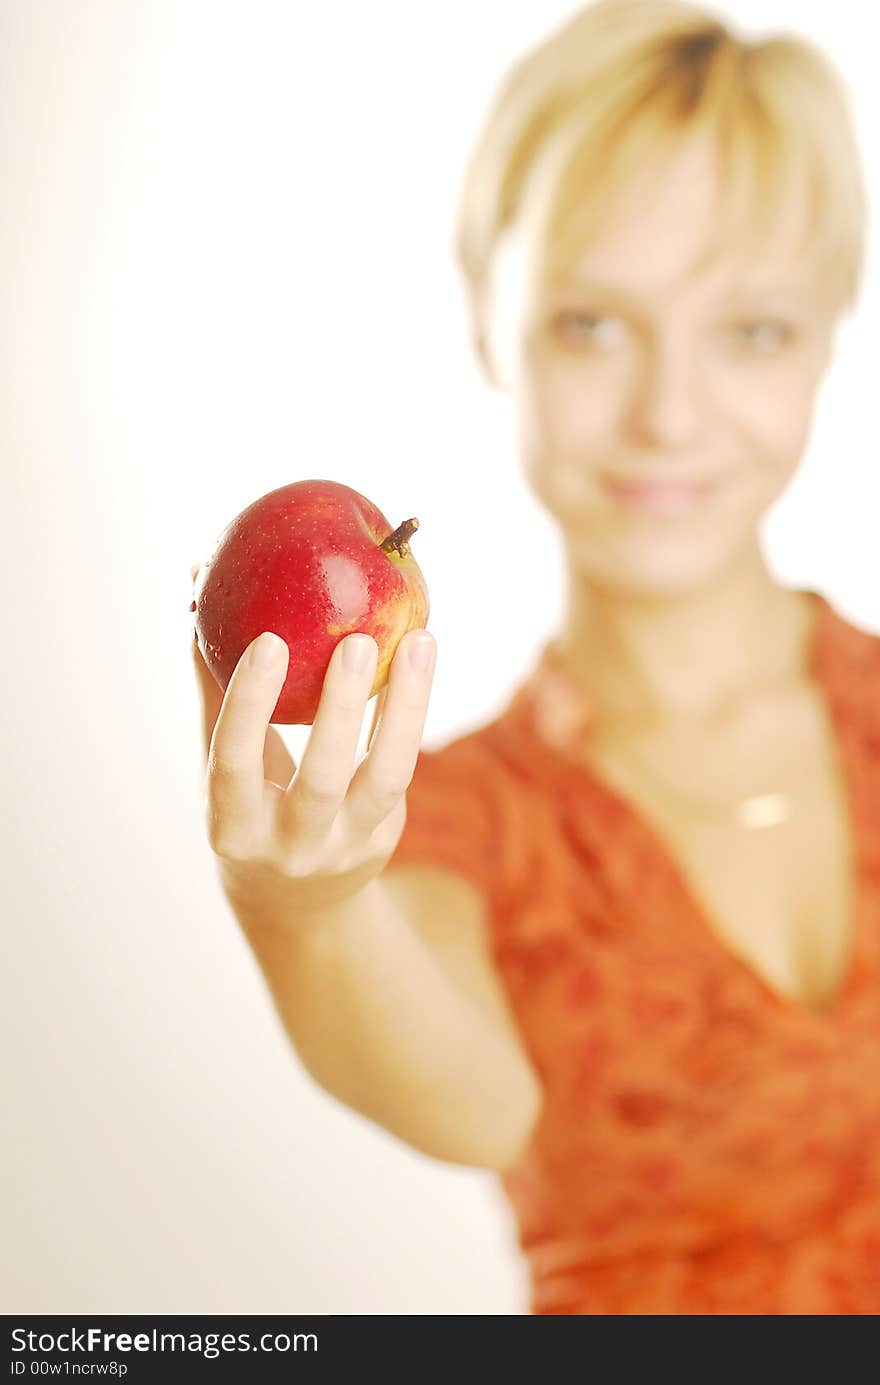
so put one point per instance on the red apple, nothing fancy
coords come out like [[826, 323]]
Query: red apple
[[313, 561]]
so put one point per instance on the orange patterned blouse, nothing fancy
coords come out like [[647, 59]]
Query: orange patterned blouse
[[705, 1146]]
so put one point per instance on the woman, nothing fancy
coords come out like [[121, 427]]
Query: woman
[[622, 943]]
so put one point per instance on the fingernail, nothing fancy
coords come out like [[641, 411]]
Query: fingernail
[[267, 652], [356, 653], [421, 651]]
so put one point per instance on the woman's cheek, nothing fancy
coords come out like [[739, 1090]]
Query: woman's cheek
[[774, 436], [775, 402], [565, 413], [558, 435]]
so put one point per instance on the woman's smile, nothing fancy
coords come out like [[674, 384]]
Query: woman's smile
[[658, 497]]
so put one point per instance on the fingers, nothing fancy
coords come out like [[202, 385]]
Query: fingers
[[384, 774], [235, 783], [278, 764], [317, 790], [211, 694]]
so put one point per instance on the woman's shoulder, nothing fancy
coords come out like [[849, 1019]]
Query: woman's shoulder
[[846, 658], [856, 635]]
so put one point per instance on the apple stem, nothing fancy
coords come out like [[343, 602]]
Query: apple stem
[[398, 542]]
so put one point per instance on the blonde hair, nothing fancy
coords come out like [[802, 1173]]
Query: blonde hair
[[623, 81]]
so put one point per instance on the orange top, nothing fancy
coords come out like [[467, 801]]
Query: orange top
[[705, 1146]]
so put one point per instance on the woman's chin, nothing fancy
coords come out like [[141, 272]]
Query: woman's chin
[[650, 569]]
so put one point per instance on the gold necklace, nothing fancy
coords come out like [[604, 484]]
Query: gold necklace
[[768, 809]]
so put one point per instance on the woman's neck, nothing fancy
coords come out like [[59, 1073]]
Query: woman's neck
[[648, 659]]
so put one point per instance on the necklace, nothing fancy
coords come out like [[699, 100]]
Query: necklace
[[566, 720], [761, 810]]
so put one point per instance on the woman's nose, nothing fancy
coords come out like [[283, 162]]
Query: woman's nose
[[668, 405]]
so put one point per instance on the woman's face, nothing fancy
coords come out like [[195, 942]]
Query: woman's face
[[660, 412]]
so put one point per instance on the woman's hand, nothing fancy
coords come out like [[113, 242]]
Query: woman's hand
[[290, 841]]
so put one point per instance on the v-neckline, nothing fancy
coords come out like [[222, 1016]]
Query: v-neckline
[[563, 721]]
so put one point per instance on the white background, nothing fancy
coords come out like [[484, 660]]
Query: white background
[[225, 264]]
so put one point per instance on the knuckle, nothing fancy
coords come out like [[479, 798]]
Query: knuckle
[[221, 766], [342, 704], [391, 789], [223, 841], [395, 776], [381, 800], [322, 793], [386, 835], [235, 852], [300, 867]]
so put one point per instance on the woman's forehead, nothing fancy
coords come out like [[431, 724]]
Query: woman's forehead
[[663, 271], [674, 228]]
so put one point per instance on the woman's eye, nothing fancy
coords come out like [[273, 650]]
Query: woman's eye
[[765, 335], [594, 327]]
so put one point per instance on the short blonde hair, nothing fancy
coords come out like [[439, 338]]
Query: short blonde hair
[[624, 80]]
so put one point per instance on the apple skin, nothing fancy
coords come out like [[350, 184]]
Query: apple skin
[[306, 562]]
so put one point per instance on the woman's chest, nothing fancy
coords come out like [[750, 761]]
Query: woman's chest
[[756, 820]]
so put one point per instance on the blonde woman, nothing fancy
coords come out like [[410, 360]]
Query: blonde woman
[[621, 944]]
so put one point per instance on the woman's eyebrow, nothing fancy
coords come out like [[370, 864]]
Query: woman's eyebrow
[[582, 284], [623, 294], [781, 291]]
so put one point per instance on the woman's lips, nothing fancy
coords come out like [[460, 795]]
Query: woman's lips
[[659, 497]]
